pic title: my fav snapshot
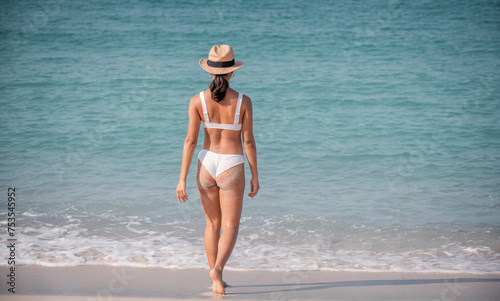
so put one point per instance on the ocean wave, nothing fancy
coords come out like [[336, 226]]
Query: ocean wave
[[282, 243]]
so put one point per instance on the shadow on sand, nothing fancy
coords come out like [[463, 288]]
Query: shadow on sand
[[306, 286]]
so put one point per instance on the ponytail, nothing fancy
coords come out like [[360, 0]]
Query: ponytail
[[218, 87]]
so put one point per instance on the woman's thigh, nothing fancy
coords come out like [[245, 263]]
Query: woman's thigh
[[231, 185], [209, 194]]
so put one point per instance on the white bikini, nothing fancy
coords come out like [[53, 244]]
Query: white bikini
[[216, 163]]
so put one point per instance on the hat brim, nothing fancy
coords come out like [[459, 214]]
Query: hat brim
[[213, 70]]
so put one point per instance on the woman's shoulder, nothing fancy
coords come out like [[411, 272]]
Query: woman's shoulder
[[195, 98], [246, 98], [246, 101], [195, 102]]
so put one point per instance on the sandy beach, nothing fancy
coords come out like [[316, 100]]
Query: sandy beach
[[128, 283]]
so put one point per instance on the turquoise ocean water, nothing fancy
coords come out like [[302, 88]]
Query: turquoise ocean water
[[377, 127]]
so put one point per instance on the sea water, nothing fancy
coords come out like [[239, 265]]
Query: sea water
[[376, 122]]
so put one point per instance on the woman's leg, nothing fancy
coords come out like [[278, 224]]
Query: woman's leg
[[209, 196], [231, 185], [222, 202]]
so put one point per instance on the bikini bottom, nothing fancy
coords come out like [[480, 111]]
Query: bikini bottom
[[216, 163]]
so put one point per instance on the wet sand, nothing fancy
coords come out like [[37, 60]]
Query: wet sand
[[129, 283]]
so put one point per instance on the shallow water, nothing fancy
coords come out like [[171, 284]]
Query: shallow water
[[377, 126]]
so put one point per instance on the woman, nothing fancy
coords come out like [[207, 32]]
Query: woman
[[226, 116]]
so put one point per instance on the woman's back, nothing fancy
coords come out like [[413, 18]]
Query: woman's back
[[224, 124]]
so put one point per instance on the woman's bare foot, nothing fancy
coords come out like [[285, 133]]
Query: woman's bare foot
[[218, 286]]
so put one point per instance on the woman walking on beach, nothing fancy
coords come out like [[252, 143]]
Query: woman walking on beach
[[226, 116]]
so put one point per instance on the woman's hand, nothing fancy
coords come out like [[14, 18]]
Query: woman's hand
[[181, 191], [254, 187]]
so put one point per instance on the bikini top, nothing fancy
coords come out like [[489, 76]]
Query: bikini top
[[223, 126]]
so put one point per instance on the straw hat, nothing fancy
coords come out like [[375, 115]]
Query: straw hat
[[220, 60]]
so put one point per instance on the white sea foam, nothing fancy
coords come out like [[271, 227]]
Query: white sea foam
[[275, 246]]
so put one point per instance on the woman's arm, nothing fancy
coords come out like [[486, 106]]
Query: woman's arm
[[250, 147], [189, 147]]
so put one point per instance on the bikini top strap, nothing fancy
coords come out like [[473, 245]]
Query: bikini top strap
[[238, 108], [204, 105]]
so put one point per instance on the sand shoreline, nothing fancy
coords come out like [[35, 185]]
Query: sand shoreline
[[129, 283]]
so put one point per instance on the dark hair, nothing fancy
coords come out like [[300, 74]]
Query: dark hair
[[218, 87]]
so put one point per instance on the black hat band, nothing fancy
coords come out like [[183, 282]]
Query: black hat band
[[220, 64]]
